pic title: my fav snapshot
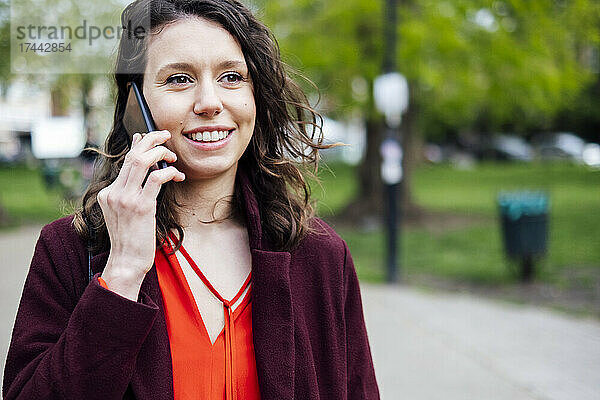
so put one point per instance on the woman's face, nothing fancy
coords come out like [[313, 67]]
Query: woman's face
[[198, 87]]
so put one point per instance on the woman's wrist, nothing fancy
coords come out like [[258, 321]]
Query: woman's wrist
[[123, 281]]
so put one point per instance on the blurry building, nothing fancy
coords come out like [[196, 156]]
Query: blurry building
[[22, 106]]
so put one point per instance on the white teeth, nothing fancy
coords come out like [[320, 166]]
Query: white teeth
[[213, 136]]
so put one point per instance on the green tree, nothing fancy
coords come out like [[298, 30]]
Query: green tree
[[338, 45], [471, 64]]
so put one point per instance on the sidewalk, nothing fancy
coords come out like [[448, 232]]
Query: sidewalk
[[452, 346], [427, 345], [16, 250]]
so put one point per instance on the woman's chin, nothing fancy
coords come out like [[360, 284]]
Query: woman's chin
[[209, 171]]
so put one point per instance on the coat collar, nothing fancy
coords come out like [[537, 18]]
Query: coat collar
[[272, 317]]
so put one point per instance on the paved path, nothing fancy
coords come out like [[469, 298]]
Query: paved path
[[433, 346], [16, 249], [427, 345]]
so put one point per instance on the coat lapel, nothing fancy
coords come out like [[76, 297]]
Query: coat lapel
[[272, 324], [272, 314]]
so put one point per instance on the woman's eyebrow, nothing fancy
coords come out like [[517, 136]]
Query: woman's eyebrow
[[232, 64], [177, 65], [184, 66]]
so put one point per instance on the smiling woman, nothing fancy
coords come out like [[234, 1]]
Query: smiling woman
[[201, 88], [210, 278]]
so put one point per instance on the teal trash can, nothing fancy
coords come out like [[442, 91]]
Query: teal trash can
[[524, 224]]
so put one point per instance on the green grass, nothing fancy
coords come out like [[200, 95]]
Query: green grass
[[338, 187], [474, 252], [26, 200]]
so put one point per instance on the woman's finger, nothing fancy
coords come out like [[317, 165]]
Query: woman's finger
[[125, 168], [152, 139], [134, 158], [142, 163], [157, 178]]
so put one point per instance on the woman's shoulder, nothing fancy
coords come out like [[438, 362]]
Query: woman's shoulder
[[61, 233], [60, 227], [323, 241], [62, 224], [61, 256]]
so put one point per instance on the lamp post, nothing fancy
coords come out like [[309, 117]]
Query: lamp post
[[390, 91], [389, 39]]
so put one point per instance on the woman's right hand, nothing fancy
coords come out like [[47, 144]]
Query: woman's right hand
[[129, 211]]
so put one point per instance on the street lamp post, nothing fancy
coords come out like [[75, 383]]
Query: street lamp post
[[391, 98], [389, 40]]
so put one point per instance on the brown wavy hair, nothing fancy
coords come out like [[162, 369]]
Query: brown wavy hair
[[287, 133]]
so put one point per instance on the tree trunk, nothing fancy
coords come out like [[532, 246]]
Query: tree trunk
[[412, 147], [369, 176], [368, 207]]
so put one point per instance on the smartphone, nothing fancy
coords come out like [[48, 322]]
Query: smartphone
[[137, 116]]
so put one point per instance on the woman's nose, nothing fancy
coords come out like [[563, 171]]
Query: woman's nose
[[207, 101]]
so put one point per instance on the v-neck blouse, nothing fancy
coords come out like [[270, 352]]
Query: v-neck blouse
[[223, 370]]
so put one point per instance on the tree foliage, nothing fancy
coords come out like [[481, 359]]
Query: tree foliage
[[336, 44], [472, 64]]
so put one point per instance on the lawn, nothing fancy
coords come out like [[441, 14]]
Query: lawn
[[25, 198], [473, 252]]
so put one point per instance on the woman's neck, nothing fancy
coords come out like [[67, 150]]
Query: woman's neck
[[205, 200]]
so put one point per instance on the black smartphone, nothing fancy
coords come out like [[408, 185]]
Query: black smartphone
[[137, 116]]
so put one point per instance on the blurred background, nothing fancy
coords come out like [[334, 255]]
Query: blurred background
[[503, 95], [499, 195]]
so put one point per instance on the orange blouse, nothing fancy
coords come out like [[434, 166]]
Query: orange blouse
[[201, 369]]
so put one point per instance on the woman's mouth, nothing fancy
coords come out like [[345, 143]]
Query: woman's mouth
[[208, 136]]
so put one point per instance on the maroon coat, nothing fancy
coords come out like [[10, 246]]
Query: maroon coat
[[74, 340]]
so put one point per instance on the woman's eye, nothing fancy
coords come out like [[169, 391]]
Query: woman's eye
[[178, 79], [232, 78]]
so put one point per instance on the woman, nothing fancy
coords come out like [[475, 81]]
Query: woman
[[211, 279]]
